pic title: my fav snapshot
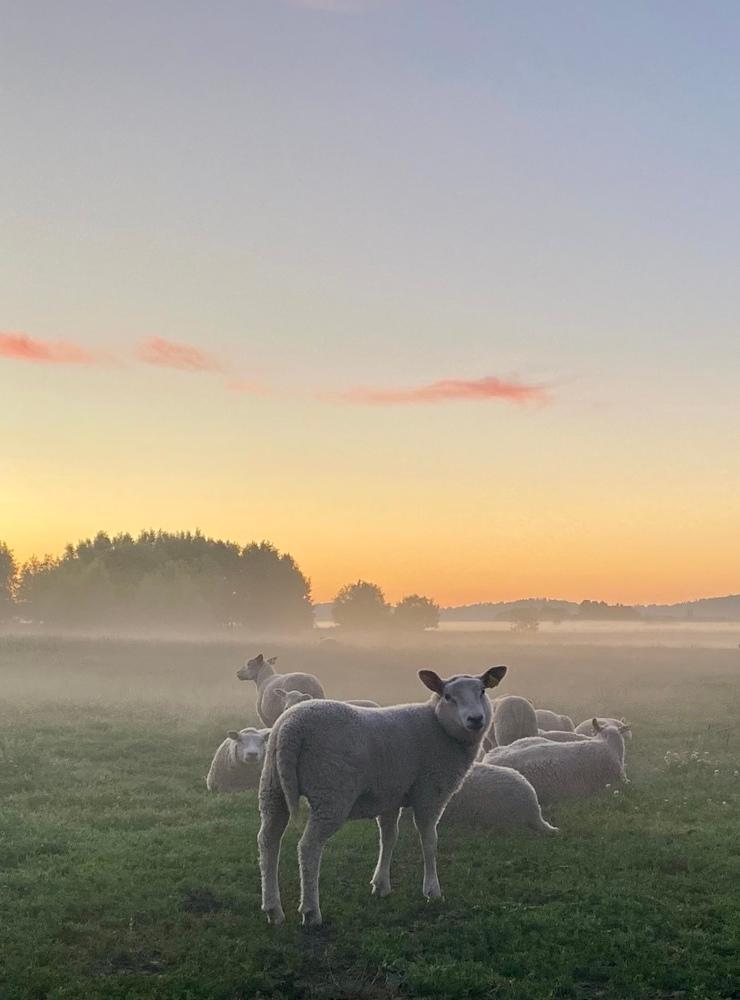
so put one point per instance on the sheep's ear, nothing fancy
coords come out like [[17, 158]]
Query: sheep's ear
[[597, 727], [272, 660], [493, 676], [281, 692], [624, 727], [433, 681], [233, 734], [259, 658], [264, 733]]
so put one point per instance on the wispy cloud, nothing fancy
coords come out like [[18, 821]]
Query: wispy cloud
[[185, 357], [448, 390], [21, 347]]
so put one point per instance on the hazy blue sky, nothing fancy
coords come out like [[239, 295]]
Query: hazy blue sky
[[327, 197]]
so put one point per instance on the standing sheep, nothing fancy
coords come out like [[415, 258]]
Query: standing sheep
[[361, 763], [495, 798], [586, 727], [513, 718], [237, 764], [551, 720], [572, 770], [261, 671]]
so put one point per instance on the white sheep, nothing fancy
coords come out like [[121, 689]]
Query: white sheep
[[495, 798], [290, 698], [237, 764], [513, 718], [586, 727], [261, 671], [562, 737], [363, 763], [551, 720], [572, 770]]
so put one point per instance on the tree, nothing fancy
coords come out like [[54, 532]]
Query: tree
[[416, 613], [8, 580], [361, 605]]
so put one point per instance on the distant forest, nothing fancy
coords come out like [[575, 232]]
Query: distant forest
[[186, 580]]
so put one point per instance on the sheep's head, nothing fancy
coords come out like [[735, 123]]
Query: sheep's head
[[290, 698], [463, 709], [249, 745], [252, 668], [623, 727]]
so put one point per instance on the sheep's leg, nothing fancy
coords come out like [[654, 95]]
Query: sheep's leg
[[310, 848], [388, 828], [274, 821], [426, 825]]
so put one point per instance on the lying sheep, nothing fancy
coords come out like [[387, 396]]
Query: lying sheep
[[586, 727], [361, 763], [551, 720], [495, 798], [572, 770], [237, 764], [269, 705], [513, 718]]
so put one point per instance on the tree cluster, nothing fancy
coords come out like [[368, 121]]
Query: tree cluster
[[362, 606], [181, 579]]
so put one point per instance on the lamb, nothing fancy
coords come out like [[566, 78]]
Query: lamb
[[572, 770], [363, 763], [237, 764], [496, 798], [551, 720], [269, 705], [587, 729], [513, 718]]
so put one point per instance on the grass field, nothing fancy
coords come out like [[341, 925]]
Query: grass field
[[120, 876]]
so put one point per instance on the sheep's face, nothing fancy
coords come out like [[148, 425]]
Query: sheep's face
[[249, 745], [251, 669], [295, 697], [463, 708]]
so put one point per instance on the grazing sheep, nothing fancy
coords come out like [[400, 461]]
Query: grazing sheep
[[551, 720], [362, 763], [495, 798], [572, 770], [586, 727], [513, 718], [237, 764], [269, 705]]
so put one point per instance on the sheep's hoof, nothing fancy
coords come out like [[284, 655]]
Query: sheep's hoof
[[381, 889], [312, 918], [275, 915]]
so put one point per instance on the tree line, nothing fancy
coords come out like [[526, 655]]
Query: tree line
[[186, 580]]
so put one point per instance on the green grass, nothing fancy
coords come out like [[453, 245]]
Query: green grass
[[120, 876]]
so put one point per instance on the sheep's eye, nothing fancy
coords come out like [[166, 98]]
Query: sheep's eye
[[482, 692], [447, 698]]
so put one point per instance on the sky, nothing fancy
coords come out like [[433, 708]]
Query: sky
[[437, 293]]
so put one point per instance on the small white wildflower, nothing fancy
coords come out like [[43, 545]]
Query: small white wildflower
[[616, 792], [609, 785], [724, 803]]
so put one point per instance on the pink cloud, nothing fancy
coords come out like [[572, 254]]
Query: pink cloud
[[21, 347], [447, 390], [168, 354]]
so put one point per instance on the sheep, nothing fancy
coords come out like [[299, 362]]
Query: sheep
[[363, 763], [566, 770], [551, 720], [586, 727], [495, 798], [558, 736], [269, 706], [237, 764], [290, 698], [513, 718]]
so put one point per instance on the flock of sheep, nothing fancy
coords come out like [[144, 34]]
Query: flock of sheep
[[458, 757]]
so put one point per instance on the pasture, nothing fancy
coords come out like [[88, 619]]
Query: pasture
[[120, 876]]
